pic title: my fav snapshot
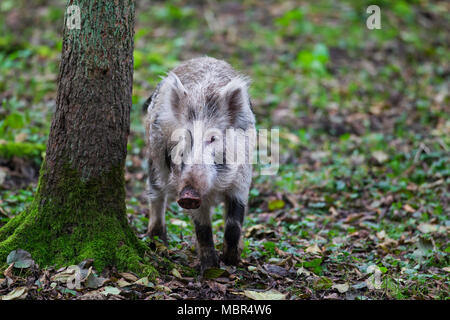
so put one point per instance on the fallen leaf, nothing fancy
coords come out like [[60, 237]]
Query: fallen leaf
[[143, 281], [333, 211], [17, 293], [408, 208], [293, 138], [380, 156], [21, 137], [381, 235], [20, 258], [69, 273], [318, 155], [2, 179], [179, 222], [424, 249], [217, 287], [276, 270], [374, 281], [342, 288], [332, 296], [281, 253], [166, 289], [353, 217], [387, 244], [275, 205], [259, 231], [266, 295], [110, 290], [313, 249], [359, 285], [8, 272], [302, 270], [93, 295], [129, 276], [213, 273], [92, 281], [123, 283], [177, 274], [220, 279], [65, 290], [274, 260], [430, 228]]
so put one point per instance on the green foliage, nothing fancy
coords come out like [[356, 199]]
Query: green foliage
[[21, 149], [315, 60]]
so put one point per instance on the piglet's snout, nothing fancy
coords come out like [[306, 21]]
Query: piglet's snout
[[189, 198]]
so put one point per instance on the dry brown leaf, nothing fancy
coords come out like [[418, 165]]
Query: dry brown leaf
[[16, 294], [313, 249], [8, 272], [266, 295], [176, 273], [381, 235], [123, 283], [342, 288], [129, 276]]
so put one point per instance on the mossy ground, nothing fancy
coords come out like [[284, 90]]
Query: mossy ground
[[75, 221]]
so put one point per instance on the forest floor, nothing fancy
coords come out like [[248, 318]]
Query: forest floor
[[359, 208]]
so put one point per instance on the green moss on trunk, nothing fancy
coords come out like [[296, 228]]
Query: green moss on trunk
[[72, 223]]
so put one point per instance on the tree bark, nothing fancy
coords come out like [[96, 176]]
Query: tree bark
[[79, 209]]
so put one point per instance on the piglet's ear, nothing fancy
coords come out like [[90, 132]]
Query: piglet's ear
[[174, 89], [235, 97]]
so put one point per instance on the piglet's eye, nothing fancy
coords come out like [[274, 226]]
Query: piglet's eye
[[212, 139]]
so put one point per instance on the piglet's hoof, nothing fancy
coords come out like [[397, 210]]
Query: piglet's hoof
[[158, 232], [231, 257], [208, 262]]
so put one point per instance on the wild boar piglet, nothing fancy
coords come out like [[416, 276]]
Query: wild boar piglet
[[200, 137]]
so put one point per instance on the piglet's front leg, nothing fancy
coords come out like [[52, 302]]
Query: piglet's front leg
[[205, 241], [234, 218]]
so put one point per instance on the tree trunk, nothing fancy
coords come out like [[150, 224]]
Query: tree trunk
[[79, 209]]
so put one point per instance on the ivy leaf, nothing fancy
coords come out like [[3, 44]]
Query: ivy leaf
[[20, 258]]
